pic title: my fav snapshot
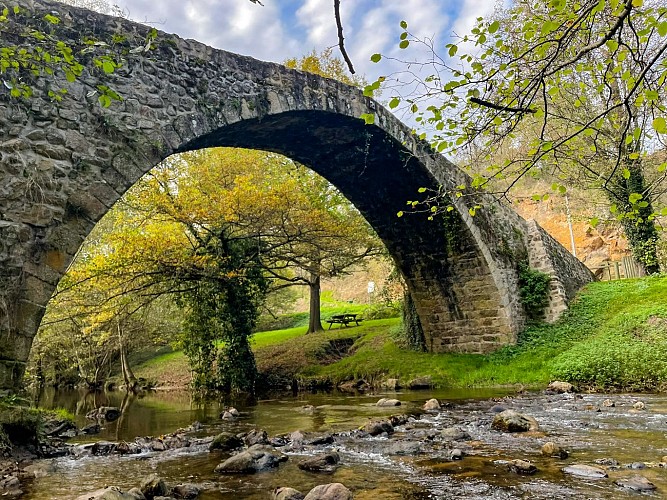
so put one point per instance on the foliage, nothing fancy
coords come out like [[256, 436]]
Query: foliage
[[221, 314], [35, 48], [533, 290], [570, 92]]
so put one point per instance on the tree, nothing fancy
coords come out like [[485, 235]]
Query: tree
[[581, 85]]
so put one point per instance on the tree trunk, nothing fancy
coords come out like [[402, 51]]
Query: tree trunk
[[315, 320], [128, 376], [639, 229]]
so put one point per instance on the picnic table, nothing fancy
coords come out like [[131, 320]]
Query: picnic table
[[343, 319]]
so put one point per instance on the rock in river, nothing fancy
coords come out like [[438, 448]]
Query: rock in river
[[285, 493], [560, 387], [377, 428], [522, 467], [332, 491], [635, 483], [111, 493], [321, 463], [388, 402], [585, 471], [225, 441], [512, 421], [153, 486], [257, 458], [454, 434], [553, 450], [432, 404]]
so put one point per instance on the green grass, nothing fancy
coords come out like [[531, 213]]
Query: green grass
[[613, 337]]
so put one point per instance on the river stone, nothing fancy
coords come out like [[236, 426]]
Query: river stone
[[388, 402], [522, 467], [257, 458], [321, 463], [553, 450], [110, 493], [512, 421], [185, 490], [636, 465], [332, 491], [455, 434], [456, 454], [396, 420], [91, 429], [432, 404], [136, 494], [497, 409], [285, 493], [225, 441], [378, 427], [421, 383], [256, 436], [635, 483], [41, 469], [639, 405], [102, 448], [560, 387], [402, 448], [320, 440], [585, 471], [608, 403], [153, 486], [609, 462]]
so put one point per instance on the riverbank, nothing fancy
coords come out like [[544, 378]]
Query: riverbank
[[613, 338]]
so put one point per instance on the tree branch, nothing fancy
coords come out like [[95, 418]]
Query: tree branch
[[341, 44]]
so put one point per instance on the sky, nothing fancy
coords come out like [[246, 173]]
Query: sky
[[282, 29]]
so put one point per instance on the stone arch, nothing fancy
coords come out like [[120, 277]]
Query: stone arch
[[64, 164]]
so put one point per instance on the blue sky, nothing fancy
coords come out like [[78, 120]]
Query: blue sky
[[290, 28]]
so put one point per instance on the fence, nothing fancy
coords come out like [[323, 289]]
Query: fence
[[627, 267]]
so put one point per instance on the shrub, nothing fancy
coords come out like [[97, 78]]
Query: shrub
[[534, 290]]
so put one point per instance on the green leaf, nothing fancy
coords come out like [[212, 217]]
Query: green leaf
[[663, 211], [108, 67], [562, 189], [635, 197], [17, 9], [368, 118], [594, 222], [612, 44], [105, 100], [404, 44], [472, 212], [404, 25], [626, 173], [399, 214], [394, 102], [376, 57], [662, 28], [422, 190], [660, 125], [493, 27], [452, 50]]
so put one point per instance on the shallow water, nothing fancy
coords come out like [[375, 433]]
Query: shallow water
[[619, 432]]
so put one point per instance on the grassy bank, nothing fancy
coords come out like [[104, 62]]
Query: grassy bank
[[613, 337]]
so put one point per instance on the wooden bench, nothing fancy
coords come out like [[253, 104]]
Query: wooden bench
[[343, 319]]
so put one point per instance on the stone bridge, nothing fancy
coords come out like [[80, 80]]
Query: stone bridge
[[64, 164]]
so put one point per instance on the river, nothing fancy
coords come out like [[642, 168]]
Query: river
[[370, 467]]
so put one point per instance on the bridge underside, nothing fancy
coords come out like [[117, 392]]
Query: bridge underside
[[63, 165]]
